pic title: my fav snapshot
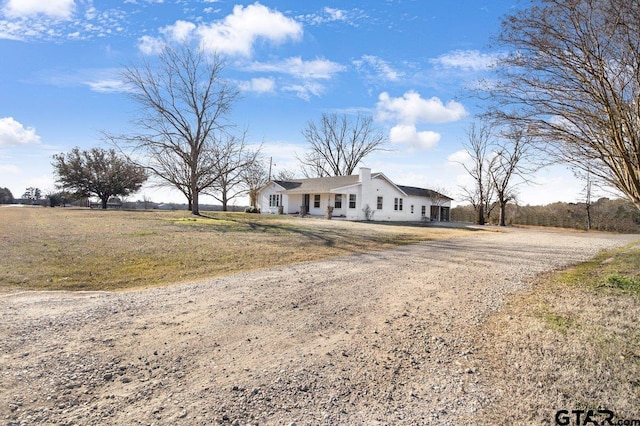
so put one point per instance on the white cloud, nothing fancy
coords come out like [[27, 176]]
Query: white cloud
[[10, 30], [306, 89], [316, 69], [9, 169], [181, 31], [377, 68], [411, 108], [61, 9], [305, 73], [13, 133], [460, 157], [329, 14], [335, 14], [150, 45], [408, 135], [236, 34], [467, 60], [108, 85], [258, 85], [59, 19]]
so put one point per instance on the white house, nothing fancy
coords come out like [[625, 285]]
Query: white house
[[354, 197]]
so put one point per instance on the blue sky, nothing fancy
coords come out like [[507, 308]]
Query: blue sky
[[408, 63]]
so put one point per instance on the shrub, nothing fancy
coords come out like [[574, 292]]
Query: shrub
[[252, 209]]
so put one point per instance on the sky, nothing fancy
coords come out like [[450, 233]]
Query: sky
[[409, 64]]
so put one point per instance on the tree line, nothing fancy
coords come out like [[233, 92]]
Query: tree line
[[613, 215]]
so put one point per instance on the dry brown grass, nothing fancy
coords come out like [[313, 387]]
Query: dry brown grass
[[570, 343], [81, 249]]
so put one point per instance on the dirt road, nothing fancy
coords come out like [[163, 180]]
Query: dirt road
[[379, 338]]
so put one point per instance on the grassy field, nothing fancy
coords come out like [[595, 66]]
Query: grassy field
[[81, 249], [571, 342]]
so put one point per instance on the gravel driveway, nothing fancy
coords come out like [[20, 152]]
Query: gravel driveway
[[378, 338]]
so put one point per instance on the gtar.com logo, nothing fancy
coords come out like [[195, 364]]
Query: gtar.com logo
[[590, 417]]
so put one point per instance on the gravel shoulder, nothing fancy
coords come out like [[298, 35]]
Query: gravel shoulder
[[376, 338]]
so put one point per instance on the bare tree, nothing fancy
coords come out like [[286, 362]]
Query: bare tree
[[588, 194], [588, 202], [338, 144], [478, 148], [254, 177], [184, 104], [572, 80], [232, 158], [509, 167], [32, 194], [285, 174]]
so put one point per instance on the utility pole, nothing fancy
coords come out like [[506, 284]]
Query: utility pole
[[270, 163]]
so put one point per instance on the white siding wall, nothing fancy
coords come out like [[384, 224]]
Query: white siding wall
[[341, 211], [381, 188], [322, 207], [372, 189], [292, 203], [263, 198]]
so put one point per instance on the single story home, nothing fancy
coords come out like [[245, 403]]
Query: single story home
[[366, 196]]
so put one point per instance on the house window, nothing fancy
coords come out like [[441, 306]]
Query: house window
[[411, 208], [423, 212], [338, 203], [397, 204], [274, 200], [316, 201], [379, 203], [352, 201]]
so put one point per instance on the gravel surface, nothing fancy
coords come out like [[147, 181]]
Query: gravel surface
[[378, 338]]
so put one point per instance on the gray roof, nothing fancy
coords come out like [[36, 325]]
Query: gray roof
[[328, 184], [315, 185], [422, 192], [288, 184]]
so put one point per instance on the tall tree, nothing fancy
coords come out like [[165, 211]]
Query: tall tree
[[254, 177], [184, 107], [572, 80], [99, 172], [509, 167], [477, 147], [6, 197], [338, 144], [33, 194], [232, 158]]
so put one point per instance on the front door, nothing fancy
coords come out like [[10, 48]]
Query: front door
[[307, 201], [435, 213]]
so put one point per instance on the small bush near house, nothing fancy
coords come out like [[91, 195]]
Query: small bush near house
[[252, 209]]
